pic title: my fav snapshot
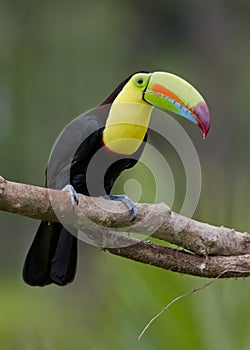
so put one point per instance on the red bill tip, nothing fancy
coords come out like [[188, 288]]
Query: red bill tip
[[203, 117]]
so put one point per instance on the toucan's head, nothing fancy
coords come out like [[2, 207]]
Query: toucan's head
[[163, 90]]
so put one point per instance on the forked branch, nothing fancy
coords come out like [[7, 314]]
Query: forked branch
[[211, 249]]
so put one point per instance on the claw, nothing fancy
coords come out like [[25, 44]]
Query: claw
[[73, 194], [126, 200]]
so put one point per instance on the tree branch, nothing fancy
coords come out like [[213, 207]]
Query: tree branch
[[104, 221]]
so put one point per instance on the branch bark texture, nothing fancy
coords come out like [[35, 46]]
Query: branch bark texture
[[210, 250]]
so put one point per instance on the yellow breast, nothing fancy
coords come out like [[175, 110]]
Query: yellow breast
[[127, 122], [126, 127]]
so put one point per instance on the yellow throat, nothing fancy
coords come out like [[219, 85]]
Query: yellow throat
[[128, 121]]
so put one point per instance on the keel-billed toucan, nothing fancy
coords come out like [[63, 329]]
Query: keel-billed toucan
[[119, 128]]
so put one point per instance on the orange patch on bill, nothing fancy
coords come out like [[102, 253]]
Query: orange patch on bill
[[166, 92]]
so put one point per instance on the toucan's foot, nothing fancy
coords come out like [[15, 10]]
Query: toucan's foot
[[126, 200], [73, 194]]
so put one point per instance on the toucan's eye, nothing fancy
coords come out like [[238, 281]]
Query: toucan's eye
[[140, 81]]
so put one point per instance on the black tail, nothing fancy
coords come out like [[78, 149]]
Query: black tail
[[52, 256]]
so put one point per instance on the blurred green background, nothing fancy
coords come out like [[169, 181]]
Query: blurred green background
[[57, 60]]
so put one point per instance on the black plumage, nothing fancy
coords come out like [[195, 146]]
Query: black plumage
[[52, 257]]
